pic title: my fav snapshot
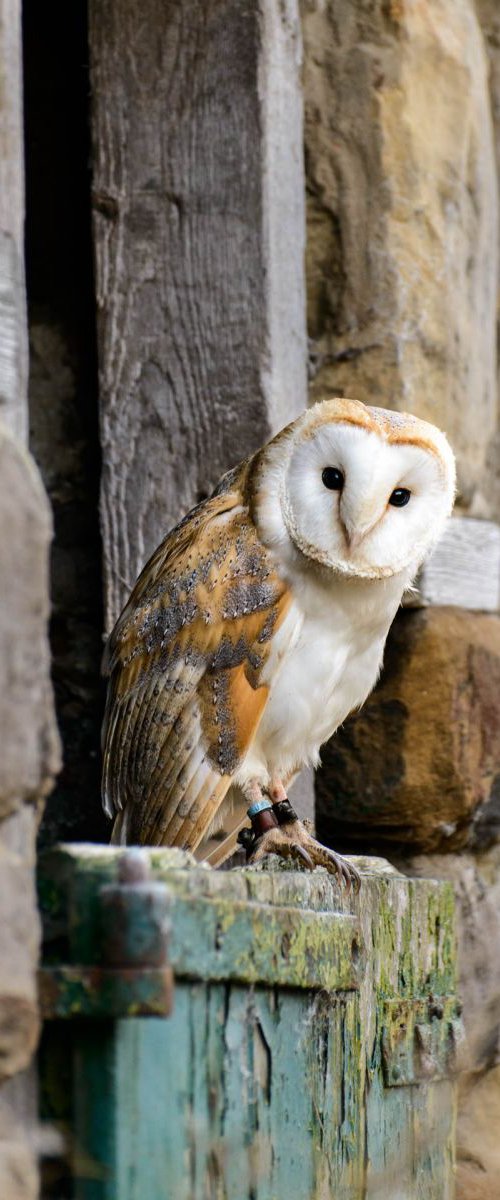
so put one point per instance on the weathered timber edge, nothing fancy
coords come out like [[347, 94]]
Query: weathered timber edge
[[276, 926]]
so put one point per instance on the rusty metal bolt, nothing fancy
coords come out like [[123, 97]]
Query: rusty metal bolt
[[133, 866], [134, 916]]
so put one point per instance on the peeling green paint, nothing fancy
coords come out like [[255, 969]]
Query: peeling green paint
[[267, 1082]]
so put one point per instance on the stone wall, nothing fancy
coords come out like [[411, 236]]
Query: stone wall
[[29, 741], [402, 119], [402, 216], [29, 760], [489, 15]]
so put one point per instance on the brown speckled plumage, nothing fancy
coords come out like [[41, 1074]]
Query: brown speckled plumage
[[260, 622], [185, 661]]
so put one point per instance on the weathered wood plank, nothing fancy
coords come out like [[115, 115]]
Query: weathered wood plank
[[163, 1126], [216, 934], [253, 943], [464, 569], [199, 240], [265, 1092]]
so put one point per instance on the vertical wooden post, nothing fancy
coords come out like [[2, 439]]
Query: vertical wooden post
[[199, 238]]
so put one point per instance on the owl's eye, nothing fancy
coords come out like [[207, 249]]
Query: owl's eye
[[399, 497], [333, 479]]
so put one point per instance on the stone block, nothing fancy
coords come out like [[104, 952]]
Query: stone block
[[402, 216], [419, 766], [18, 1139], [30, 745], [18, 1170], [19, 942], [488, 12], [29, 760]]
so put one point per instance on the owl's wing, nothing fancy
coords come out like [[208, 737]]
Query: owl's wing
[[185, 662]]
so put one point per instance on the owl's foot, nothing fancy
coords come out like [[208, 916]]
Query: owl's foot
[[291, 839]]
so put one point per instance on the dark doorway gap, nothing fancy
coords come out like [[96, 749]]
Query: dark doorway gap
[[64, 433]]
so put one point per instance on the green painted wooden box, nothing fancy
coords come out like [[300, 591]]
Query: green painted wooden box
[[310, 1049]]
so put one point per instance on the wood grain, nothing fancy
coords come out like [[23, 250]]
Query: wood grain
[[268, 1091], [199, 238], [464, 570]]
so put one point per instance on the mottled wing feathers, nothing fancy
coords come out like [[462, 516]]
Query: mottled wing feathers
[[185, 662]]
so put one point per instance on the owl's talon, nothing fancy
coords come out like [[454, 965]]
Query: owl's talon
[[350, 875], [298, 851], [292, 840], [347, 875]]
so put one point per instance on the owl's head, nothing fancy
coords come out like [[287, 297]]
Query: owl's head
[[364, 491]]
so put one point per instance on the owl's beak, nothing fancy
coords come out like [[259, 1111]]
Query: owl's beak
[[354, 537], [356, 530]]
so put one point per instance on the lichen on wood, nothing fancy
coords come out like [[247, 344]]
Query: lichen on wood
[[269, 1079]]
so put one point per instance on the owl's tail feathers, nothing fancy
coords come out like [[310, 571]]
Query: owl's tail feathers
[[212, 850], [120, 828], [231, 817], [223, 850]]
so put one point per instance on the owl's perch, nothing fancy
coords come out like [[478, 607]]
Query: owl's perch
[[276, 829]]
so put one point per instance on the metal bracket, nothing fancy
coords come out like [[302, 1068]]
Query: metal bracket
[[420, 1039], [132, 976]]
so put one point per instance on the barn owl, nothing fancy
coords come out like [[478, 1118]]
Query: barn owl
[[259, 624]]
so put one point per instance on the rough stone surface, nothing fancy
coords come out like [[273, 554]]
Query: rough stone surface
[[19, 943], [18, 1165], [13, 338], [478, 1155], [419, 766], [28, 762], [488, 12], [402, 215], [30, 744]]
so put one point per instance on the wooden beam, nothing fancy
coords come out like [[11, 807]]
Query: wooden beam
[[464, 570], [199, 238]]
